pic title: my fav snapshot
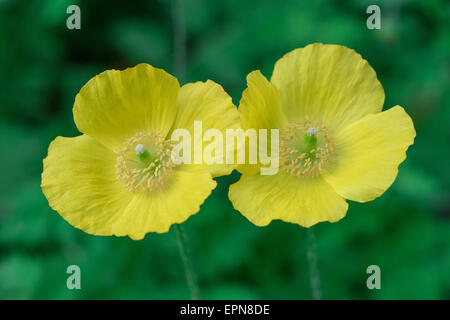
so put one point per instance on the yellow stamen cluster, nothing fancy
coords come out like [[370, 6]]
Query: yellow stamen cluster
[[302, 156], [149, 168]]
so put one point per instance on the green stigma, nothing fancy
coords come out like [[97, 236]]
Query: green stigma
[[310, 138], [141, 153]]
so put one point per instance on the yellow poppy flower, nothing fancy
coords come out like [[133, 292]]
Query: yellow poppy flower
[[335, 142], [118, 178]]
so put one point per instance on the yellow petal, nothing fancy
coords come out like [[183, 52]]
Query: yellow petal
[[115, 105], [207, 102], [260, 105], [368, 153], [329, 83], [260, 108], [175, 202], [79, 181], [306, 202]]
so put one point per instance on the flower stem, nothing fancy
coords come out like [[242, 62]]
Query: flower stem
[[179, 67], [314, 276], [191, 279], [179, 39]]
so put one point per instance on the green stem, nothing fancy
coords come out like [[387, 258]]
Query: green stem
[[179, 39], [179, 67], [314, 276], [189, 270]]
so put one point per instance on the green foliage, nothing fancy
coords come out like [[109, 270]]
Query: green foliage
[[43, 65]]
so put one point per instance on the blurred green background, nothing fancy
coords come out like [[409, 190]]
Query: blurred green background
[[43, 65]]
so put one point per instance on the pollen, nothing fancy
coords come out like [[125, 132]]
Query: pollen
[[144, 163], [306, 148]]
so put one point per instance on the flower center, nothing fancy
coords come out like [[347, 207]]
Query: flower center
[[144, 163], [305, 148]]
